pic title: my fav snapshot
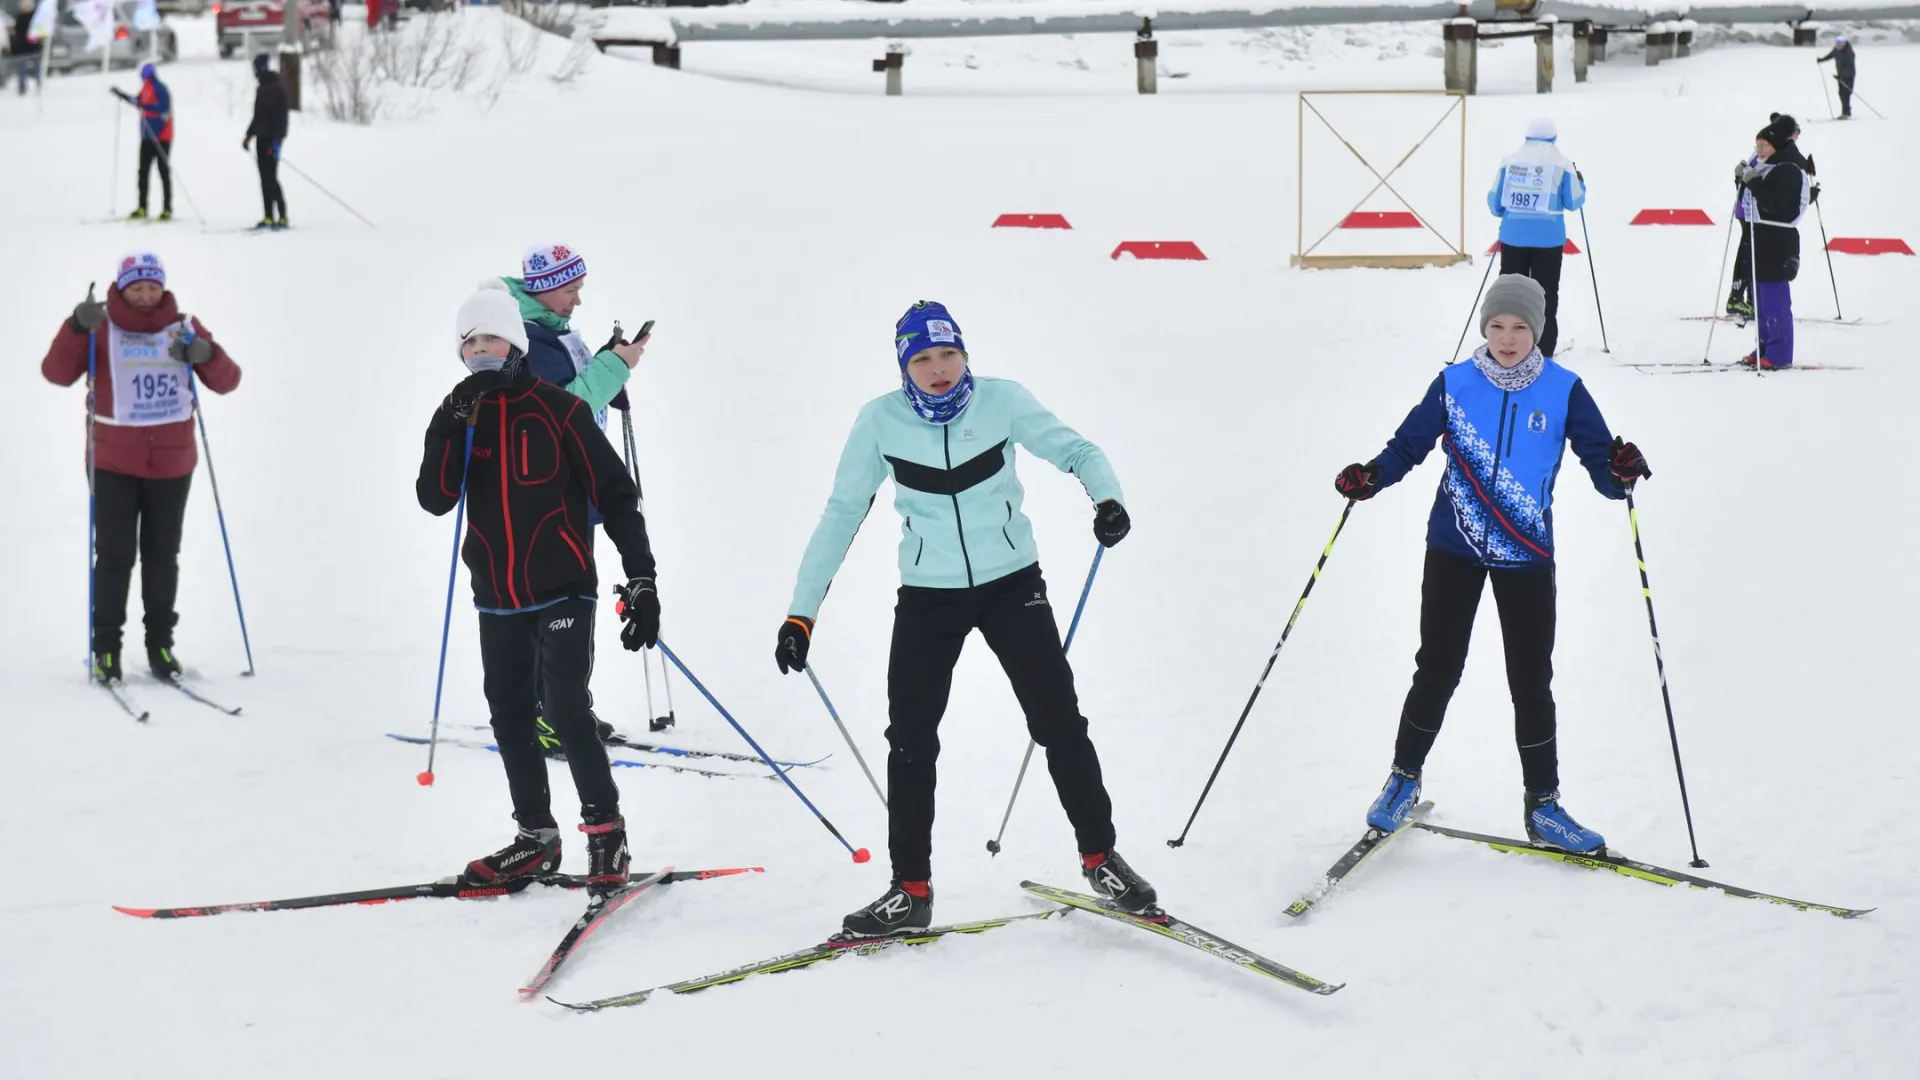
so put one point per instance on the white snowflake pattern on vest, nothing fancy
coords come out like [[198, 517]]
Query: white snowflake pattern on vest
[[582, 356], [149, 385]]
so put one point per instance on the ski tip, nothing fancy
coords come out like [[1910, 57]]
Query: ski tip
[[1329, 988], [138, 913], [143, 718]]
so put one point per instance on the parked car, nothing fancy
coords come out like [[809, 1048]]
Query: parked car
[[182, 7], [261, 24], [67, 51]]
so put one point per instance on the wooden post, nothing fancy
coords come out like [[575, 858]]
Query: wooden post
[[1657, 36], [1599, 44], [667, 56], [1582, 49], [1462, 37], [1683, 40], [891, 65], [1806, 33], [1543, 54], [290, 32], [1146, 59]]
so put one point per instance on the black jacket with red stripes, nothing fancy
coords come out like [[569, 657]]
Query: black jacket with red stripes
[[538, 461]]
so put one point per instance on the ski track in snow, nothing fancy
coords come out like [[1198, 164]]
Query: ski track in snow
[[776, 231]]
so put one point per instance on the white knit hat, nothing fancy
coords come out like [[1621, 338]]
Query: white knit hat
[[491, 310], [1541, 127]]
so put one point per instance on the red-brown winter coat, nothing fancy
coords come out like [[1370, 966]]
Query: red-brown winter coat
[[162, 452]]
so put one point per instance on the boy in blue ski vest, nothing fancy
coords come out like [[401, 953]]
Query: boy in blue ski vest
[[1535, 186], [967, 561], [1504, 420]]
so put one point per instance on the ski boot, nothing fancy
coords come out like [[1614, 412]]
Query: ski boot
[[139, 214], [607, 858], [1738, 305], [163, 664], [604, 730], [1763, 363], [167, 214], [264, 224], [1119, 884], [1549, 825], [906, 907], [1396, 800], [534, 852], [106, 666], [280, 225]]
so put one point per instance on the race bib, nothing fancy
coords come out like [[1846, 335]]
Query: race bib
[[1527, 188], [582, 356], [149, 386]]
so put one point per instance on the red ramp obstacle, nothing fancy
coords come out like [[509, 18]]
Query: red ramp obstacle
[[1867, 245], [1381, 219], [1031, 221], [1571, 248], [1671, 217], [1160, 249]]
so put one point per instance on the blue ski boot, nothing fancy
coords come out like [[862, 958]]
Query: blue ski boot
[[1549, 825], [1396, 800]]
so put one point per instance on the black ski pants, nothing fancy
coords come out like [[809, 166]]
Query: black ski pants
[[1542, 265], [136, 516], [161, 154], [1846, 94], [929, 628], [545, 658], [1449, 598], [267, 156]]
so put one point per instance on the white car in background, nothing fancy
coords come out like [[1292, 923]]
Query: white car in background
[[67, 50]]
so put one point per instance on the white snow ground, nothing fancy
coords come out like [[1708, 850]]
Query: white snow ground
[[776, 233]]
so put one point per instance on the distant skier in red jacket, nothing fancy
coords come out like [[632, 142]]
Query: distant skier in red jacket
[[141, 442]]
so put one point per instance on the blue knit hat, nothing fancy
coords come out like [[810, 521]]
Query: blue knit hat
[[546, 267], [926, 325], [140, 266]]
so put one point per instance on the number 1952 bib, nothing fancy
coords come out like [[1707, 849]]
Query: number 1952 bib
[[1528, 187], [149, 386]]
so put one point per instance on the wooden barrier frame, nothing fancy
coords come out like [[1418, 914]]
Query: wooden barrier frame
[[1304, 253]]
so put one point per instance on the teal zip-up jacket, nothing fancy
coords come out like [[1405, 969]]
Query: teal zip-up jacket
[[955, 486]]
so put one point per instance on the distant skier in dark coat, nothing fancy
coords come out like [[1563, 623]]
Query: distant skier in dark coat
[[1842, 56], [270, 127], [1775, 193]]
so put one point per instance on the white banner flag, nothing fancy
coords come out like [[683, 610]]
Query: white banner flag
[[97, 17], [146, 15], [44, 14]]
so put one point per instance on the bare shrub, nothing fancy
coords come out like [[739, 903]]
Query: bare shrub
[[522, 41], [350, 81]]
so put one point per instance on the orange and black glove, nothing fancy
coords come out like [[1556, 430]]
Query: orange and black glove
[[795, 635]]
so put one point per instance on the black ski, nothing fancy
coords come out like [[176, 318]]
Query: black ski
[[1186, 934], [1357, 854], [196, 695], [599, 908], [478, 744], [826, 950], [625, 743], [1626, 867], [445, 888], [121, 699]]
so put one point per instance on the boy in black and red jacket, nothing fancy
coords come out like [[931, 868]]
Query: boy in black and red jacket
[[536, 462]]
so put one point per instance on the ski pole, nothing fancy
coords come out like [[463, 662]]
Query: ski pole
[[165, 157], [1825, 94], [425, 779], [1660, 664], [860, 855], [1713, 318], [113, 191], [1753, 280], [1824, 242], [655, 722], [1868, 104], [1458, 345], [302, 174], [1593, 274], [1271, 657], [626, 423], [835, 713], [92, 497], [993, 845], [232, 577]]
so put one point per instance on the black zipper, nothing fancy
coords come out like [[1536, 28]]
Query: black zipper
[[946, 438], [1513, 425], [1500, 435], [1003, 528]]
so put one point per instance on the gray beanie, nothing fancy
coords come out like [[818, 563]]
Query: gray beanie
[[1516, 294]]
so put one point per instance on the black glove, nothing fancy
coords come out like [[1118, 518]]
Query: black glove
[[1356, 481], [1814, 197], [191, 349], [88, 314], [1627, 463], [466, 397], [1111, 523], [122, 95], [795, 635], [639, 608]]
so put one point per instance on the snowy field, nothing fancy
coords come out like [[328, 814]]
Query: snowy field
[[776, 214]]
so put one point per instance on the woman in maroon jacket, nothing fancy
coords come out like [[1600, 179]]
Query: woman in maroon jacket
[[141, 441]]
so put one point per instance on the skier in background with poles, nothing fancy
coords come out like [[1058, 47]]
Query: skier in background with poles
[[1535, 186], [155, 103], [1775, 194], [270, 127], [530, 463], [1843, 73], [143, 453], [967, 561], [1504, 420]]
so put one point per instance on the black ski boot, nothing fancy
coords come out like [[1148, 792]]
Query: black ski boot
[[163, 664], [604, 729], [1114, 880], [106, 665], [607, 858], [896, 913], [535, 852]]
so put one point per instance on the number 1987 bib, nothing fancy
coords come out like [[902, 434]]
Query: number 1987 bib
[[1528, 187]]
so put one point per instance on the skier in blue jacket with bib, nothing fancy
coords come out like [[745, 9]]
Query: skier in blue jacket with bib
[[1504, 420], [967, 562], [1536, 184]]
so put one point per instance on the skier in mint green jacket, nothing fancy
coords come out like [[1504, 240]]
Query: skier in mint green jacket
[[967, 562]]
